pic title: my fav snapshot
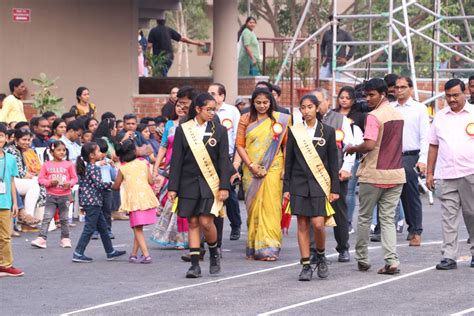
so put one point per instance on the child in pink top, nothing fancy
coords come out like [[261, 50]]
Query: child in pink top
[[58, 176]]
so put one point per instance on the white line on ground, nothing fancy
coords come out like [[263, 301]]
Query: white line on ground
[[134, 298], [368, 286], [464, 312], [323, 298]]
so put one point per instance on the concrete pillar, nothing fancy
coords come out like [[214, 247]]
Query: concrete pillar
[[225, 63]]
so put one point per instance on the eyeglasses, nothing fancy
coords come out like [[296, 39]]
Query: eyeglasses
[[455, 96]]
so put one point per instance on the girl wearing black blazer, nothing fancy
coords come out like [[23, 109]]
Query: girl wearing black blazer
[[195, 198], [307, 198]]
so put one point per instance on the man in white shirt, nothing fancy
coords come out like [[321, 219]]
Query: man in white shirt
[[229, 117], [344, 136], [415, 152]]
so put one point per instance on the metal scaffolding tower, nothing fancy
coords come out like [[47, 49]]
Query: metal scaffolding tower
[[387, 46]]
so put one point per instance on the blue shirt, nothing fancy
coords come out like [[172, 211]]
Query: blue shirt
[[108, 172], [73, 148], [11, 170], [40, 141]]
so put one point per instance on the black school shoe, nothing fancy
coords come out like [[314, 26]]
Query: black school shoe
[[235, 234], [447, 264], [376, 237], [322, 266], [472, 262], [306, 273], [344, 256], [363, 266], [194, 272], [187, 258], [215, 265]]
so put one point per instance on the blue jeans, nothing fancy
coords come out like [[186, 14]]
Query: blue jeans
[[19, 201], [351, 192], [116, 200], [107, 198], [166, 67], [94, 220]]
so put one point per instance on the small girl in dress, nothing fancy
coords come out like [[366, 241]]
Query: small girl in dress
[[58, 176], [138, 199], [90, 199]]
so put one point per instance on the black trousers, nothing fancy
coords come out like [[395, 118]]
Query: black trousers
[[233, 209], [219, 222], [410, 196], [341, 231]]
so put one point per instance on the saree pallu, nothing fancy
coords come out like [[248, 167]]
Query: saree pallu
[[170, 230], [264, 195]]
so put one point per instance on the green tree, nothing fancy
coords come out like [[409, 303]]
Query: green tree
[[195, 18], [283, 17]]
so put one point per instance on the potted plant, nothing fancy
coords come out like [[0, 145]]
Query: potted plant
[[272, 67], [157, 63], [303, 70], [43, 99]]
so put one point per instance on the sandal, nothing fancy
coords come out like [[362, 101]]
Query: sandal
[[146, 260], [134, 259], [269, 259], [388, 269]]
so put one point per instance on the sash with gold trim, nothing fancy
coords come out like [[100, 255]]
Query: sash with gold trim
[[205, 164], [316, 165]]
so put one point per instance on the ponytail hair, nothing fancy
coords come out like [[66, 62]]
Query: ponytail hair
[[51, 147], [86, 151], [313, 99], [200, 101]]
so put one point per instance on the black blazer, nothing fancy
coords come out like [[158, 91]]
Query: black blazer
[[299, 179], [185, 176]]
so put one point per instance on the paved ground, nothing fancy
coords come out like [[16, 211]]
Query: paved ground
[[55, 285]]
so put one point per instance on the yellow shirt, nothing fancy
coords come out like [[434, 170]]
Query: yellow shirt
[[12, 110]]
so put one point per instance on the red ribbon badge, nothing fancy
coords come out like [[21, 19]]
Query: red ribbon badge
[[277, 130], [470, 129], [227, 123], [339, 137]]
